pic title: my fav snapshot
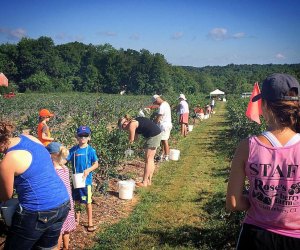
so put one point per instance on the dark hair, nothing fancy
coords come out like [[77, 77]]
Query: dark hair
[[287, 113], [6, 132]]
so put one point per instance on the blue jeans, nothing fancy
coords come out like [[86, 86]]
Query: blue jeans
[[36, 230]]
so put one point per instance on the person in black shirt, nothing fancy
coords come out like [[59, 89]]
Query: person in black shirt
[[152, 134]]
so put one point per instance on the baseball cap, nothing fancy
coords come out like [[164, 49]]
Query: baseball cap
[[153, 99], [83, 130], [53, 147], [182, 96], [277, 86], [45, 113]]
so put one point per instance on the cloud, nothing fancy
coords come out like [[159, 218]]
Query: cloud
[[221, 34], [177, 35], [135, 36], [280, 56], [218, 34], [14, 34], [107, 33], [65, 37], [110, 33], [239, 35]]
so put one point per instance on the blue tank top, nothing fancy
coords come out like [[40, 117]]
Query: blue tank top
[[39, 188]]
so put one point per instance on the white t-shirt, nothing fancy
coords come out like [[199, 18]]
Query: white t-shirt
[[183, 107], [212, 102], [165, 112]]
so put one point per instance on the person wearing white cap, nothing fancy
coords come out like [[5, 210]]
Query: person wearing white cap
[[164, 121], [183, 109]]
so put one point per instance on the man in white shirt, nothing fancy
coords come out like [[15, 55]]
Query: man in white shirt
[[164, 121]]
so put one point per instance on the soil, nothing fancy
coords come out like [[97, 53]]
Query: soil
[[108, 209]]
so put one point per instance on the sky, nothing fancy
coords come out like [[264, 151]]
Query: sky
[[187, 32]]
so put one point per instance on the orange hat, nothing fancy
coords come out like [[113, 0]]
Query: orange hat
[[45, 113]]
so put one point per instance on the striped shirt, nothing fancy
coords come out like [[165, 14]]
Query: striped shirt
[[69, 224]]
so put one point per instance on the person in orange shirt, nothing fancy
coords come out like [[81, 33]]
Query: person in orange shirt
[[44, 134]]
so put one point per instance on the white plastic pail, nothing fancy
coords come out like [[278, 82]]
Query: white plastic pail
[[174, 154], [191, 128], [126, 189], [78, 180], [8, 209], [129, 152]]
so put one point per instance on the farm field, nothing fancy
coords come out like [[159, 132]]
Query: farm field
[[184, 209]]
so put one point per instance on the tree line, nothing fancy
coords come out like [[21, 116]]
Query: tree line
[[40, 65]]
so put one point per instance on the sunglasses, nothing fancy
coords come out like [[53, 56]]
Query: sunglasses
[[83, 135]]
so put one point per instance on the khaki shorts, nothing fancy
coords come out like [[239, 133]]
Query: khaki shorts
[[165, 135], [153, 142]]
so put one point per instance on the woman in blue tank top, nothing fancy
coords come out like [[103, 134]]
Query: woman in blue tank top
[[152, 134], [43, 198]]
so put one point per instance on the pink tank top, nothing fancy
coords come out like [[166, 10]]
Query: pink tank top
[[274, 194]]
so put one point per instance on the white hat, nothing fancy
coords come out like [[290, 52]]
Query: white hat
[[153, 99], [182, 96]]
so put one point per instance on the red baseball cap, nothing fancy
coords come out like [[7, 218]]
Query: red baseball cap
[[45, 113]]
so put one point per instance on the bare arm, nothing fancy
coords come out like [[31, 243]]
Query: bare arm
[[132, 128], [158, 118], [45, 134], [235, 200], [90, 169], [14, 163]]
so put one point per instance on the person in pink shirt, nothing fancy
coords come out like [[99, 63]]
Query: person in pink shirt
[[270, 162]]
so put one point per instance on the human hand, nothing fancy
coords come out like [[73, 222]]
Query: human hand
[[86, 173]]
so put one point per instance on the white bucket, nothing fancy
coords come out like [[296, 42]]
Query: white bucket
[[8, 209], [129, 152], [78, 180], [126, 189], [206, 117], [174, 154], [191, 128]]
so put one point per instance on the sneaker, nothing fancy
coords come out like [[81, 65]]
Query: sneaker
[[158, 158], [166, 158]]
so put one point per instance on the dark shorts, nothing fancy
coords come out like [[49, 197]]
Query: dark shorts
[[37, 230], [83, 195], [256, 238]]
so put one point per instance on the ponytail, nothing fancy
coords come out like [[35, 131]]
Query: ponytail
[[6, 132]]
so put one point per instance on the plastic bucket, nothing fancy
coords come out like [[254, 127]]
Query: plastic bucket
[[191, 128], [126, 189], [78, 180], [8, 209], [129, 152], [174, 154]]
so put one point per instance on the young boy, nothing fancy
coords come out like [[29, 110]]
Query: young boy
[[43, 130], [84, 160]]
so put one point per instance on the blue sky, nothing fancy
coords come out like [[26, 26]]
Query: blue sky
[[187, 32]]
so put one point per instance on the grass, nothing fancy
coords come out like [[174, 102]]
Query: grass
[[184, 209]]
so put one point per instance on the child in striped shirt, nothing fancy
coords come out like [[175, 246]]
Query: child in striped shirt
[[58, 155]]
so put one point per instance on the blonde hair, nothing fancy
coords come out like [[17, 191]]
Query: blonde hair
[[61, 155], [126, 117]]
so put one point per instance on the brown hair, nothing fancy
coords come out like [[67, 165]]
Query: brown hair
[[286, 113], [6, 132]]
